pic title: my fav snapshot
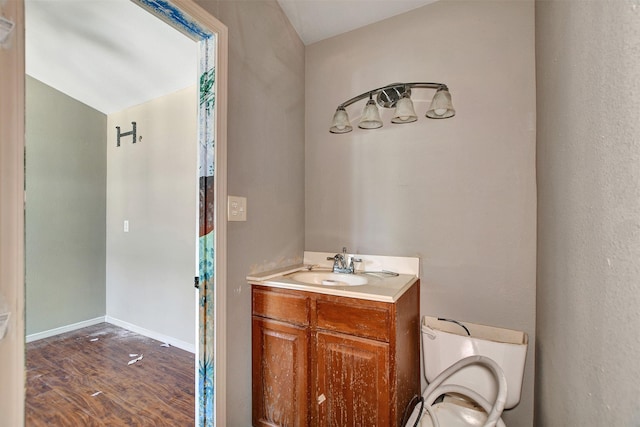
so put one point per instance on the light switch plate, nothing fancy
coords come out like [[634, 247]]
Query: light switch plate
[[6, 27], [237, 208], [4, 322]]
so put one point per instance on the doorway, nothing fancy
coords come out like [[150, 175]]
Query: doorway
[[210, 36]]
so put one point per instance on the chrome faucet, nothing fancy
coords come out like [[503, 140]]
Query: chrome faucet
[[340, 264]]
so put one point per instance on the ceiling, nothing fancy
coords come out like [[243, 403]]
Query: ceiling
[[112, 54], [316, 20], [108, 54]]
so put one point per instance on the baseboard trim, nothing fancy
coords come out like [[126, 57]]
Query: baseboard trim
[[191, 348], [64, 329]]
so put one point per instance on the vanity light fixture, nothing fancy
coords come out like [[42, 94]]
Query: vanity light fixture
[[398, 96]]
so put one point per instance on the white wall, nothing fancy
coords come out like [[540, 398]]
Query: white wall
[[153, 184], [458, 193], [588, 63]]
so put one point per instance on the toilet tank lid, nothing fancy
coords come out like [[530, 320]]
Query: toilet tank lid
[[489, 333]]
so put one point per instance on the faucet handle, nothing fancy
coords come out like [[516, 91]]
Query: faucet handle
[[351, 261]]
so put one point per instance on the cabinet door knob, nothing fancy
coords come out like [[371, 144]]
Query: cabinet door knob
[[321, 399]]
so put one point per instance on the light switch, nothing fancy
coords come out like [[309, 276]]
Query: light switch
[[4, 323], [237, 208], [126, 225]]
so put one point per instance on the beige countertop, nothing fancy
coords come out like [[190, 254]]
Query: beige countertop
[[379, 287]]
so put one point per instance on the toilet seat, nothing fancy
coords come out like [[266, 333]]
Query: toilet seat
[[450, 414], [453, 415]]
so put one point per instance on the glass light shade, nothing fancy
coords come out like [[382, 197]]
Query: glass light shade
[[340, 122], [404, 110], [370, 116], [441, 106]]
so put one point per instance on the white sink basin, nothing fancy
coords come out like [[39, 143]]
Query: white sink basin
[[327, 278]]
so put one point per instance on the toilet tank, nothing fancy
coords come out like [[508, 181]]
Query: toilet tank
[[446, 342]]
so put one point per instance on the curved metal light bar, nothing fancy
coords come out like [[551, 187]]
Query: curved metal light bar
[[396, 95]]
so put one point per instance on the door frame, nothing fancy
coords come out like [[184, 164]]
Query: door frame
[[12, 143], [198, 24], [12, 102]]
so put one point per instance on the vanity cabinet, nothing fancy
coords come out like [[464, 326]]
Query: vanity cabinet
[[326, 360]]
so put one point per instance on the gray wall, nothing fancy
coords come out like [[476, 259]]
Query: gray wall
[[588, 301], [265, 164], [458, 193], [65, 211], [153, 184]]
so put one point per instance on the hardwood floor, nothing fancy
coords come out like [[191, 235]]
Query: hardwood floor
[[75, 380]]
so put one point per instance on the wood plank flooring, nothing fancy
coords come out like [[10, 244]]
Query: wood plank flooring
[[75, 380]]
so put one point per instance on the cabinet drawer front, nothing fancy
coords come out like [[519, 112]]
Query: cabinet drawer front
[[353, 318], [281, 306]]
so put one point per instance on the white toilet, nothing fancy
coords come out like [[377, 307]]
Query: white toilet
[[469, 363]]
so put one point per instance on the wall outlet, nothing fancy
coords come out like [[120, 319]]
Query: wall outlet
[[237, 208]]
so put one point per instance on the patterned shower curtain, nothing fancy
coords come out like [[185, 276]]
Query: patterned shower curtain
[[206, 359]]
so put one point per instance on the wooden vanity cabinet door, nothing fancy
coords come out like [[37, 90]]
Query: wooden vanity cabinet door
[[352, 381], [280, 373]]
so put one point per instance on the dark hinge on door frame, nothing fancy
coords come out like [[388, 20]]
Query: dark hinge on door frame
[[196, 282]]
